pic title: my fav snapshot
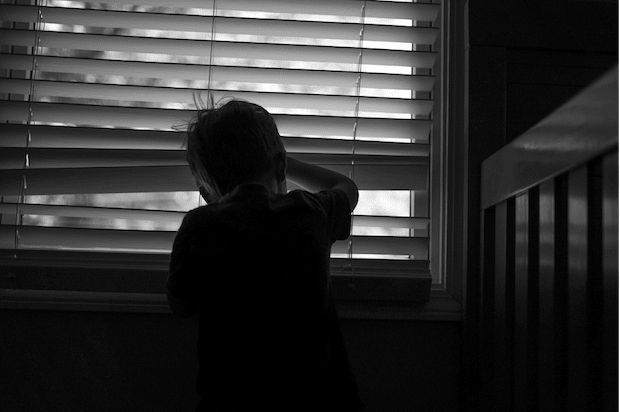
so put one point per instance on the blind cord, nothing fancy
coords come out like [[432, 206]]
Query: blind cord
[[32, 90], [358, 88], [209, 95], [210, 101]]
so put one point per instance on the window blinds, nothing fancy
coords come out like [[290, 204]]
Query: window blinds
[[94, 97]]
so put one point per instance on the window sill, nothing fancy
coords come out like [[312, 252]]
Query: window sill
[[38, 280], [440, 307]]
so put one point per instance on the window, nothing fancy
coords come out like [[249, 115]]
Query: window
[[94, 96]]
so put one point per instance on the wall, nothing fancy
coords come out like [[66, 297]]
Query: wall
[[95, 361], [528, 59]]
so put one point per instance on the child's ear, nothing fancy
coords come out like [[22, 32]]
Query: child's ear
[[206, 195], [281, 167]]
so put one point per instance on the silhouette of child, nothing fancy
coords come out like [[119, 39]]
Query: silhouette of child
[[254, 265]]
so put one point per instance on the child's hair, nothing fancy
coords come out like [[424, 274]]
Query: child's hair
[[230, 143]]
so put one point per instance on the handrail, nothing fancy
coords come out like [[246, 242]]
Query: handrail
[[580, 130]]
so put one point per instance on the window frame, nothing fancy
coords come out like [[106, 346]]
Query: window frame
[[375, 295]]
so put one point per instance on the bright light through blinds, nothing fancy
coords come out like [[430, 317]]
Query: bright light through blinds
[[93, 97]]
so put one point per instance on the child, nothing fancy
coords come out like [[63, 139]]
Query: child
[[254, 265]]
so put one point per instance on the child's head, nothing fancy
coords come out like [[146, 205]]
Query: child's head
[[232, 144]]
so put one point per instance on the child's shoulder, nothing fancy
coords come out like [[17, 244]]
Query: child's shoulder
[[199, 215]]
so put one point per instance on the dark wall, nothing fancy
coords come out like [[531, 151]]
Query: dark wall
[[539, 81], [578, 25], [540, 54], [93, 361]]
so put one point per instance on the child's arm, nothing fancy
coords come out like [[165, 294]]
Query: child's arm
[[316, 178]]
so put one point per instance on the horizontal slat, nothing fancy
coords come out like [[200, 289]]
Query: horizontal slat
[[149, 262], [384, 245], [178, 96], [221, 50], [288, 125], [391, 222], [43, 158], [101, 180], [247, 78], [374, 9], [313, 145], [35, 237], [177, 216], [14, 135], [92, 212], [220, 25], [179, 178], [12, 158]]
